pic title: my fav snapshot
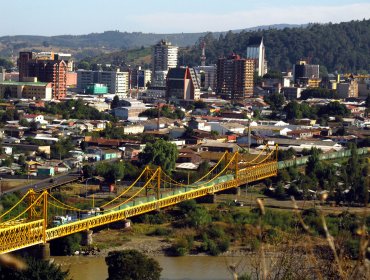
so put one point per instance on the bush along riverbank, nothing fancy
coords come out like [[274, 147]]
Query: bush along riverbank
[[192, 228], [228, 229]]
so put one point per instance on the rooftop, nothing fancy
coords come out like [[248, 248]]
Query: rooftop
[[11, 83]]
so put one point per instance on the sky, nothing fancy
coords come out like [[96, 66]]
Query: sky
[[75, 17]]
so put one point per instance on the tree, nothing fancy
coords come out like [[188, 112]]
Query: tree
[[132, 265], [61, 148], [111, 171], [36, 270], [88, 171], [275, 100], [7, 64], [160, 153], [314, 165], [66, 246], [24, 122], [115, 102], [33, 126]]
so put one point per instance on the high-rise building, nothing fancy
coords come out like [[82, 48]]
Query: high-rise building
[[24, 58], [47, 67], [164, 58], [302, 72], [256, 51], [235, 77], [50, 71]]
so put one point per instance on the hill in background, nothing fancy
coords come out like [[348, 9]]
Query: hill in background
[[340, 47], [343, 47], [97, 43]]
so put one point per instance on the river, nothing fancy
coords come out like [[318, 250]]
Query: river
[[174, 268]]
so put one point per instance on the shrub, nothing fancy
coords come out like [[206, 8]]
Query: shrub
[[160, 231], [213, 248], [182, 245], [66, 245]]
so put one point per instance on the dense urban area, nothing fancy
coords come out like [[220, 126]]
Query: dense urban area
[[83, 128]]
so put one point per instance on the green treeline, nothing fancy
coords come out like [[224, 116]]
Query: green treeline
[[342, 47]]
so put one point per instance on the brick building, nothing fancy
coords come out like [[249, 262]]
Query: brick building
[[235, 77], [46, 69]]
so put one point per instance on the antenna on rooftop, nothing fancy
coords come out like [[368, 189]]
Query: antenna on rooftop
[[203, 56]]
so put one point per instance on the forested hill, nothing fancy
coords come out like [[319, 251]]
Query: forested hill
[[108, 41], [343, 47]]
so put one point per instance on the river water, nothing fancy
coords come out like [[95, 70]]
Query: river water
[[174, 268]]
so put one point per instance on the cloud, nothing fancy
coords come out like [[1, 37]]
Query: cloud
[[198, 22]]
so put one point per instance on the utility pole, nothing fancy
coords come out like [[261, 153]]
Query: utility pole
[[249, 136]]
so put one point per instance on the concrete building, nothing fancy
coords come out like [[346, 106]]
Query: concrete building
[[348, 89], [227, 127], [133, 129], [140, 78], [47, 67], [29, 90], [363, 87], [116, 81], [206, 76], [302, 72], [235, 77], [130, 109], [164, 58], [182, 84], [256, 51]]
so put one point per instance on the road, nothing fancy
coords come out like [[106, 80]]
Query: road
[[59, 180], [47, 183]]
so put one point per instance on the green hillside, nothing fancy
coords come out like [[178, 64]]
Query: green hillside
[[343, 47]]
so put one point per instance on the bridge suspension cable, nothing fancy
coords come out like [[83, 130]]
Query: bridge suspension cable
[[140, 190], [35, 203], [212, 169], [260, 154], [15, 205], [64, 205], [128, 188]]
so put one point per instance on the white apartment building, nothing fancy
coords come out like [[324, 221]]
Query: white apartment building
[[116, 81], [164, 57], [256, 51]]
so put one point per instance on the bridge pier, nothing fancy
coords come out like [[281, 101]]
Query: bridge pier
[[209, 198], [87, 238], [42, 251]]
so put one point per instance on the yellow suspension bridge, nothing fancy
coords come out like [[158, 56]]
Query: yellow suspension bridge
[[29, 221]]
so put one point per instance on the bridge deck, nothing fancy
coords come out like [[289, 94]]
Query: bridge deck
[[35, 232]]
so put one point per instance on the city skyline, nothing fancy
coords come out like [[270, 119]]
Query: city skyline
[[163, 16]]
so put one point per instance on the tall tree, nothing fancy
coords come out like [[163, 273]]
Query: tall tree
[[132, 265], [160, 153], [36, 270], [115, 102]]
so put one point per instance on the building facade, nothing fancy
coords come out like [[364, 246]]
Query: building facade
[[165, 56], [302, 72], [117, 82], [256, 51], [182, 84], [206, 76], [29, 90], [235, 77], [348, 89], [47, 68]]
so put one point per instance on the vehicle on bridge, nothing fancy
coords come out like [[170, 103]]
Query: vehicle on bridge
[[61, 220]]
